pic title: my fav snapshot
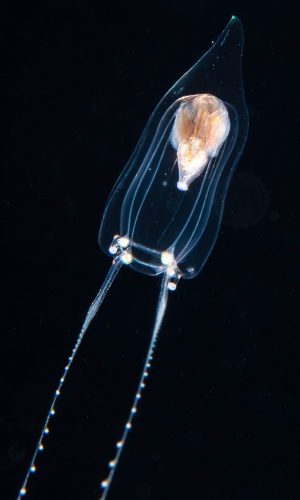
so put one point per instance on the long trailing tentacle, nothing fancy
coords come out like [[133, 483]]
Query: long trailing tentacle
[[112, 273], [160, 312]]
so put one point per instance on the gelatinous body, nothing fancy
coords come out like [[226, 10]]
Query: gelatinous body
[[171, 194]]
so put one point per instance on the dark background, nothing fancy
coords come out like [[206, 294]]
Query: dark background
[[220, 416]]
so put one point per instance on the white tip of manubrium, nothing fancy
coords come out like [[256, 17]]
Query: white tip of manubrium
[[172, 286], [182, 186]]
